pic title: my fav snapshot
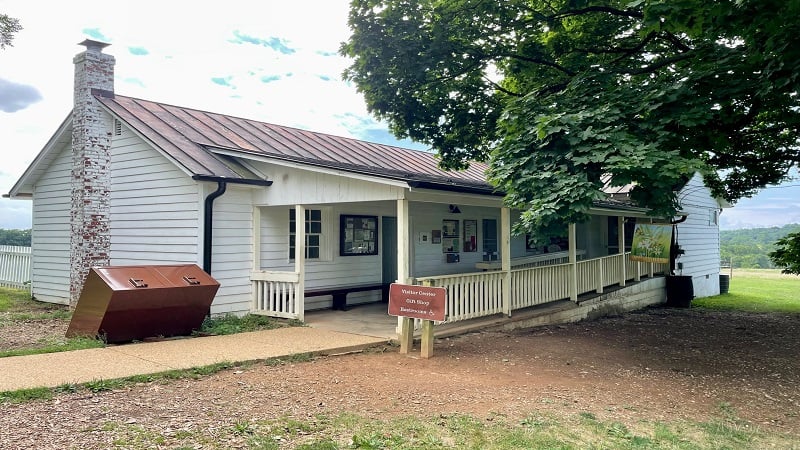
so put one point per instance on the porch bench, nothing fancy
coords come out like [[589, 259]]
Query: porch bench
[[339, 293]]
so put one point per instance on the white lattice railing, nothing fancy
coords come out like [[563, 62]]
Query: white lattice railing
[[469, 295], [15, 266], [277, 294]]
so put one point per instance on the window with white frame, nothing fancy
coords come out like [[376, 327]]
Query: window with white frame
[[315, 233]]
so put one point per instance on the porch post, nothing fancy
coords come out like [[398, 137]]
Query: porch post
[[505, 258], [300, 259], [621, 244], [256, 238], [573, 265], [652, 265], [256, 253], [405, 325]]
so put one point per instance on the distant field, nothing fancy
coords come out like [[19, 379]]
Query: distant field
[[761, 273], [757, 290]]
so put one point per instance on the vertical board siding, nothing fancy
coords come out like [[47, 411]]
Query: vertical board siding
[[50, 272], [153, 212]]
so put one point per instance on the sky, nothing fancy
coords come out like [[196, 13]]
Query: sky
[[273, 61]]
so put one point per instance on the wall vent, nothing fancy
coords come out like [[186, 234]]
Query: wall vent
[[117, 128]]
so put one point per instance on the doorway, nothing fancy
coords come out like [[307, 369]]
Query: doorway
[[388, 252]]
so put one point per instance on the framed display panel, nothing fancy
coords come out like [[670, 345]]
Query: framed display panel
[[470, 235], [451, 236], [358, 235]]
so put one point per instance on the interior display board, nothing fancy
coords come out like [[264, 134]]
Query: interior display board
[[358, 235]]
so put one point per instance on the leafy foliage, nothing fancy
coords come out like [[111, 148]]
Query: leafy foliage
[[8, 27], [556, 95], [750, 248], [20, 238], [787, 254]]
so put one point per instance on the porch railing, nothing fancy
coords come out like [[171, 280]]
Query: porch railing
[[15, 266], [277, 294], [469, 295], [537, 285], [479, 294]]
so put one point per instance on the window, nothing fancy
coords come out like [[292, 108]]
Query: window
[[613, 236], [314, 235], [713, 217], [489, 240]]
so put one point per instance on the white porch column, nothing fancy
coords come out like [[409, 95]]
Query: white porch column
[[405, 326], [256, 254], [505, 258], [300, 259], [256, 238], [573, 261], [621, 244]]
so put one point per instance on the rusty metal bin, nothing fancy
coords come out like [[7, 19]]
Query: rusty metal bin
[[126, 303]]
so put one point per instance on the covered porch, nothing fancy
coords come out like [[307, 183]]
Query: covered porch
[[485, 270]]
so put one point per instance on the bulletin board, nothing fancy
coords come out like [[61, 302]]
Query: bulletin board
[[451, 236], [358, 235], [470, 236]]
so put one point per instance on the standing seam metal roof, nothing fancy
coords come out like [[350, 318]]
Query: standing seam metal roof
[[189, 137]]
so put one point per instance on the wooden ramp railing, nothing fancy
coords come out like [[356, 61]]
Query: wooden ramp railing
[[473, 295]]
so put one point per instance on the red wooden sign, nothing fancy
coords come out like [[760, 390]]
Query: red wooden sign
[[418, 302]]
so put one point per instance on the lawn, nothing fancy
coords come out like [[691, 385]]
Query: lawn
[[757, 291]]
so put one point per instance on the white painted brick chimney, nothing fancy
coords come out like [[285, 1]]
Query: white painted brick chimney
[[91, 144]]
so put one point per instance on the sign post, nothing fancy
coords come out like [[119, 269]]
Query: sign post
[[417, 302]]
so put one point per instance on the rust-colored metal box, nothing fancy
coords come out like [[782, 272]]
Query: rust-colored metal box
[[126, 303]]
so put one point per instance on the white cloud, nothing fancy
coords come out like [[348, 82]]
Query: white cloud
[[169, 51]]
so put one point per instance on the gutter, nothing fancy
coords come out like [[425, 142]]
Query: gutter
[[208, 210]]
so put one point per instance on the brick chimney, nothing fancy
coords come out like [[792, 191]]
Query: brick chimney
[[91, 144]]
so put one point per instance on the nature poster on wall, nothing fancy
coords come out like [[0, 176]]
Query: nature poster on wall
[[470, 236], [358, 235], [651, 243]]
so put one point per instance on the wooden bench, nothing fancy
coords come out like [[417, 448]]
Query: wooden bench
[[339, 293]]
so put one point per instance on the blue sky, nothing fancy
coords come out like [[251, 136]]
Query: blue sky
[[274, 61]]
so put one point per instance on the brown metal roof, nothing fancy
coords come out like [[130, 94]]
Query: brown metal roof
[[190, 137]]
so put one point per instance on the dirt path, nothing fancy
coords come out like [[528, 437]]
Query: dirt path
[[658, 364]]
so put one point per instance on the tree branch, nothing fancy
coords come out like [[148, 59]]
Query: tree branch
[[602, 9], [657, 65]]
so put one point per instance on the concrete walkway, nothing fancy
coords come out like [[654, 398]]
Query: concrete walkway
[[119, 361]]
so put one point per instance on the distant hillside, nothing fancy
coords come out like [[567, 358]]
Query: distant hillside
[[19, 238], [749, 247]]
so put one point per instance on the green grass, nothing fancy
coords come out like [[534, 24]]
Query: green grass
[[349, 431], [17, 306], [232, 324], [61, 345], [757, 291]]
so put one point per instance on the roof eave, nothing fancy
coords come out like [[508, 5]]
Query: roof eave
[[27, 179]]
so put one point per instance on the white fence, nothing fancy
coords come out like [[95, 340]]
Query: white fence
[[15, 266]]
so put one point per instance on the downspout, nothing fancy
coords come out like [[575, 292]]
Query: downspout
[[208, 213], [208, 221]]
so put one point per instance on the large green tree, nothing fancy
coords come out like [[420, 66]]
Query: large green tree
[[787, 254], [558, 94]]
